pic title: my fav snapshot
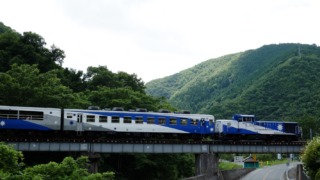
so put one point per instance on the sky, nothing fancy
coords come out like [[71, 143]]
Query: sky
[[157, 38]]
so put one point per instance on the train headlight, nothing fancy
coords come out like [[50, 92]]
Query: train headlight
[[211, 129]]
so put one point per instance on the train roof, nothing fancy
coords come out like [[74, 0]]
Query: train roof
[[139, 112], [271, 121], [27, 108]]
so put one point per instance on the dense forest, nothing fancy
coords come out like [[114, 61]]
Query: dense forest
[[31, 74], [274, 82]]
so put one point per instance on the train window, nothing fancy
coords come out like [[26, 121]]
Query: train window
[[8, 114], [247, 119], [31, 115], [150, 120], [69, 115], [162, 120], [139, 120], [90, 118], [194, 122], [173, 121], [127, 119], [183, 121], [115, 119], [103, 119], [210, 122]]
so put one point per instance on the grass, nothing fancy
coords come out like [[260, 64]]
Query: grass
[[228, 166]]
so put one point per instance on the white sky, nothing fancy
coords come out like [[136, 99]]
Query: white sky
[[157, 38]]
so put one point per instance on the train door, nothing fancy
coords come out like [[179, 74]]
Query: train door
[[218, 127], [79, 123], [202, 126], [298, 131]]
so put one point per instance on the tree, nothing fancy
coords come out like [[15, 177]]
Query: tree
[[9, 48], [101, 76], [132, 81], [69, 168], [28, 48], [11, 165], [73, 79], [311, 157], [11, 160], [4, 28], [308, 123], [142, 166], [57, 55], [25, 85]]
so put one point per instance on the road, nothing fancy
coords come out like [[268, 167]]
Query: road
[[276, 172]]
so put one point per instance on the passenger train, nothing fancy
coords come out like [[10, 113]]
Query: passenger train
[[139, 123]]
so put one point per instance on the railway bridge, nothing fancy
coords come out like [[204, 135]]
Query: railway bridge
[[206, 153], [159, 147]]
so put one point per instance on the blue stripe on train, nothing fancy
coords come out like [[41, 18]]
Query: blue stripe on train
[[21, 124]]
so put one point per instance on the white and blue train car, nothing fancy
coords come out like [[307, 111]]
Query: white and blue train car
[[115, 121], [30, 118], [246, 127]]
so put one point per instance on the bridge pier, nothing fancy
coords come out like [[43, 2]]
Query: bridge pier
[[207, 166], [93, 162]]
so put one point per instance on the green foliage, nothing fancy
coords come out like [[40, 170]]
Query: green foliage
[[25, 85], [266, 157], [101, 76], [28, 48], [310, 158], [4, 28], [150, 166], [67, 169], [72, 79], [11, 168], [309, 123], [317, 176], [229, 166], [10, 160]]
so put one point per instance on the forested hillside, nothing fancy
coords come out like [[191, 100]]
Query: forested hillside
[[273, 82]]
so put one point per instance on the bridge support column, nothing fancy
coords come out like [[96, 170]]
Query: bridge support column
[[93, 160], [207, 166]]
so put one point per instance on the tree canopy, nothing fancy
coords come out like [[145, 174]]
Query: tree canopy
[[311, 158], [11, 167]]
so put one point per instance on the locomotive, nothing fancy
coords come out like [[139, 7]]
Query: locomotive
[[17, 121], [246, 127]]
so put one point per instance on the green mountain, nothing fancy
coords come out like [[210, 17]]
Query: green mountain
[[273, 82]]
